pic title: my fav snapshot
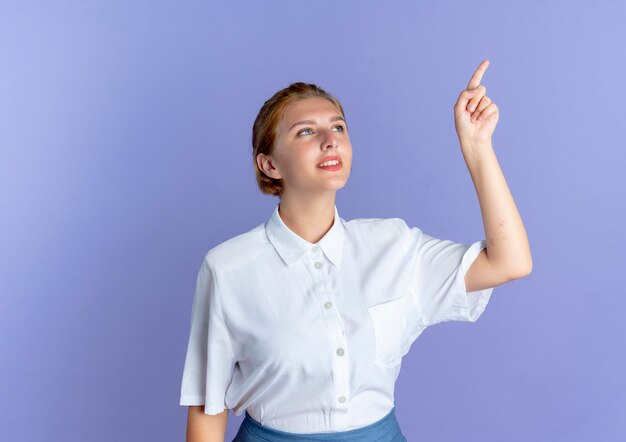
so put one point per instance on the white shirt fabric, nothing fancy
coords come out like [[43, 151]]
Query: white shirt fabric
[[309, 337]]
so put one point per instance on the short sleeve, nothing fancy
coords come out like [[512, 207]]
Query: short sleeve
[[438, 281], [210, 360]]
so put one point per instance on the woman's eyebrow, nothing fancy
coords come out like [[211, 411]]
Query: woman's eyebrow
[[335, 118]]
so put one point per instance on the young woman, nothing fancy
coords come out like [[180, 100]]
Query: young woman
[[302, 321]]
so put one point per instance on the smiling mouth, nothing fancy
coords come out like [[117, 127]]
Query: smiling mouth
[[328, 161], [332, 167]]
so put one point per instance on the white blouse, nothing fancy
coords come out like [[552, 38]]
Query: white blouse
[[309, 337]]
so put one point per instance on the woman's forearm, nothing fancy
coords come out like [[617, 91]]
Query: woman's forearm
[[508, 249], [203, 427]]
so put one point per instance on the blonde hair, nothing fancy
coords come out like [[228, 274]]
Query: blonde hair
[[265, 128]]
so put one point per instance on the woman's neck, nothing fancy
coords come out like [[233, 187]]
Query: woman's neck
[[309, 218]]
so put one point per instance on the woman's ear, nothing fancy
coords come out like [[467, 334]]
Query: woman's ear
[[265, 164]]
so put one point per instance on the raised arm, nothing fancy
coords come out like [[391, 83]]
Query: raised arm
[[507, 255]]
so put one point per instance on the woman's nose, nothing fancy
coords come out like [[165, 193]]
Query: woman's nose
[[329, 140]]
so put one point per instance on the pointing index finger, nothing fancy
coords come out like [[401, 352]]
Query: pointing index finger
[[478, 75]]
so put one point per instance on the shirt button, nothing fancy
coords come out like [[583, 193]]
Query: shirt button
[[318, 265], [328, 304], [314, 249], [340, 351], [342, 399]]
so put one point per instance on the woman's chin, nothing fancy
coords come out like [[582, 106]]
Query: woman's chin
[[335, 185]]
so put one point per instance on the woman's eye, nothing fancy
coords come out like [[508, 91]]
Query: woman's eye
[[343, 129]]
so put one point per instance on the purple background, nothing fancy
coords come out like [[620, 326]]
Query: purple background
[[125, 156]]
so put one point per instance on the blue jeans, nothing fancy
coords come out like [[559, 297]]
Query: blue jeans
[[386, 429]]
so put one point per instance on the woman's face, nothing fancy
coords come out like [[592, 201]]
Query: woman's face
[[311, 130]]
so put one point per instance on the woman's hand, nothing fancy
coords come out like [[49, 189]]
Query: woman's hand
[[475, 115]]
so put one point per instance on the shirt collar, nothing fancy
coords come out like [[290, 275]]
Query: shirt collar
[[291, 246]]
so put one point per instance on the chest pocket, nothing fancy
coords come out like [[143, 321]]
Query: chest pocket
[[395, 328]]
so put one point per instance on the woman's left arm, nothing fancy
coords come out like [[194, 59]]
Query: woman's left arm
[[507, 256]]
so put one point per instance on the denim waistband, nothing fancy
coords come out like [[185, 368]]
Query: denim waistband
[[385, 429]]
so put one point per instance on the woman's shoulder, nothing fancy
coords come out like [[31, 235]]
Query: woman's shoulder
[[395, 224], [236, 249]]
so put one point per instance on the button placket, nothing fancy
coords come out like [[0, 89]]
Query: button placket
[[341, 363], [314, 261], [321, 271]]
